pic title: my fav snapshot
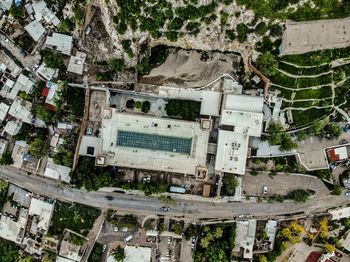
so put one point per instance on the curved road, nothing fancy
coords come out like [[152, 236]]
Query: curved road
[[189, 209]]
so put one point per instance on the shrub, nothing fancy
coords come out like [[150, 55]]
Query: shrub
[[261, 28], [146, 105], [138, 104], [242, 31], [298, 195]]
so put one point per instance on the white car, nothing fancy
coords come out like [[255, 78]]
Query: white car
[[115, 229], [264, 190]]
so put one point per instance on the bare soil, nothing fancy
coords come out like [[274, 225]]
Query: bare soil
[[189, 68]]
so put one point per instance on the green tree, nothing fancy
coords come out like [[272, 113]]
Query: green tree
[[334, 130], [77, 240], [44, 114], [242, 31], [26, 259], [52, 59], [38, 147], [16, 12], [267, 63], [178, 229], [230, 184], [146, 105], [116, 64], [6, 159], [329, 248], [8, 251], [261, 28], [337, 190], [118, 254], [277, 136], [298, 195]]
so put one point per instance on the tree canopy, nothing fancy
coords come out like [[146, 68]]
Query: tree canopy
[[8, 251], [277, 136], [267, 63], [118, 254]]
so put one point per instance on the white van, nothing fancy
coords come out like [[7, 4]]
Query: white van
[[128, 238]]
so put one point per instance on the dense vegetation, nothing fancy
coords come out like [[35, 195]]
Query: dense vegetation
[[321, 9], [215, 242], [76, 217], [96, 253], [277, 136], [187, 110], [9, 251], [93, 177]]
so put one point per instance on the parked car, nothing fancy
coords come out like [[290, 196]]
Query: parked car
[[165, 209], [264, 190], [337, 254], [128, 238], [347, 193], [343, 141], [115, 229], [332, 166], [109, 198]]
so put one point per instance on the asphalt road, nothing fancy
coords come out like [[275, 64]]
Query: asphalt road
[[189, 209]]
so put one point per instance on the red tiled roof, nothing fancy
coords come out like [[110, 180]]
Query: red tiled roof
[[314, 256], [332, 155], [45, 91]]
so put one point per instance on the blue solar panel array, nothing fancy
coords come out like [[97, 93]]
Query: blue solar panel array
[[154, 142]]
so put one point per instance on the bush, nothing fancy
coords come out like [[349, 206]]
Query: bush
[[146, 105], [138, 104], [299, 195], [242, 31], [130, 104], [229, 186], [261, 28], [188, 110], [276, 30], [76, 217], [267, 63], [52, 59]]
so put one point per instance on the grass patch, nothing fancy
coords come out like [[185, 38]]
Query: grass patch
[[318, 93], [304, 71], [283, 80], [317, 57], [301, 118], [286, 93], [302, 104], [315, 81], [341, 73], [76, 217]]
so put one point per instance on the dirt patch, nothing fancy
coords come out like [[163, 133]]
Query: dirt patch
[[191, 68], [98, 43]]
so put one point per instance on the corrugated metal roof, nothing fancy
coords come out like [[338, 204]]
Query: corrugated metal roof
[[244, 103]]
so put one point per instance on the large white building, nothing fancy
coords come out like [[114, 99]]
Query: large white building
[[146, 142], [157, 143], [241, 117]]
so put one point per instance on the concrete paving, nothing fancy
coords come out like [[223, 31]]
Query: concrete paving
[[189, 210], [281, 184], [311, 150]]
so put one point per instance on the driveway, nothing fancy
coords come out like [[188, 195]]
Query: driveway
[[311, 150], [281, 184]]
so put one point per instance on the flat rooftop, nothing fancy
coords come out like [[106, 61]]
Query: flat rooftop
[[146, 142], [154, 142], [302, 37], [241, 117], [232, 152]]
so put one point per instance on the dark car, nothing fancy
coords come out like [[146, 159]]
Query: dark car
[[109, 198], [165, 209]]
